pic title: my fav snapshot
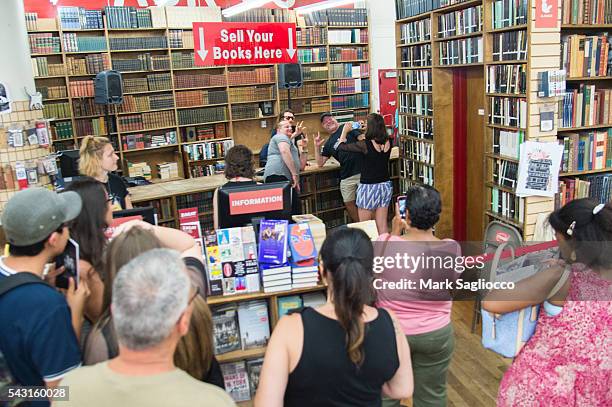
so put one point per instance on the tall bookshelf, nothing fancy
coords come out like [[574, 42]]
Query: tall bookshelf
[[173, 109]]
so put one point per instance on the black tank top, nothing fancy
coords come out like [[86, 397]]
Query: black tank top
[[375, 165], [325, 376], [234, 184]]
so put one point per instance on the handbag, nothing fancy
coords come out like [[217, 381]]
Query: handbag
[[507, 333]]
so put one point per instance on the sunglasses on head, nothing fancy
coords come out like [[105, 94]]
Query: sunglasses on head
[[288, 117]]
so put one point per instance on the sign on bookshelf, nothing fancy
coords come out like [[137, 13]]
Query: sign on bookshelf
[[244, 43], [547, 13]]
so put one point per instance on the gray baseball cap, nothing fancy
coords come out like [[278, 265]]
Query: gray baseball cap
[[31, 215]]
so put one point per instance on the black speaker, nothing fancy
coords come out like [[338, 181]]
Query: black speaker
[[108, 88], [290, 76]]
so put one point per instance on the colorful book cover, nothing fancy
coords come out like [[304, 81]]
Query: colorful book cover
[[236, 380], [226, 336], [301, 242], [254, 324], [286, 304], [273, 241]]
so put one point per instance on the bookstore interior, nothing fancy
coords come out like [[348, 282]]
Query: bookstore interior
[[503, 106]]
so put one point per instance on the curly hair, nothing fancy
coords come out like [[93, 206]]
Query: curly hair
[[239, 162], [424, 206]]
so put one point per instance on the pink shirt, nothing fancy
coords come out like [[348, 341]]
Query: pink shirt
[[416, 316]]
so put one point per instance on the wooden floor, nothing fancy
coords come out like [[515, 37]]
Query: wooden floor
[[475, 372]]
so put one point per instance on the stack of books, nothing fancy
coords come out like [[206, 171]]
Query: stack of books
[[304, 261], [167, 170], [272, 255]]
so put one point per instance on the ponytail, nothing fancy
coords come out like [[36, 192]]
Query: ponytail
[[347, 256]]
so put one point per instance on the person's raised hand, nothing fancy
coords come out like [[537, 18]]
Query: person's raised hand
[[76, 297], [319, 140]]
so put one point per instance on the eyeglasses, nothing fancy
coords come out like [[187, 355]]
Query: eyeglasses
[[288, 117], [109, 199]]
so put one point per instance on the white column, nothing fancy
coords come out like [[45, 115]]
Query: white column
[[381, 22], [15, 67]]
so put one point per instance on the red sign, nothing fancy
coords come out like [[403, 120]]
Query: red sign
[[547, 13], [190, 223], [244, 43], [256, 201], [387, 91]]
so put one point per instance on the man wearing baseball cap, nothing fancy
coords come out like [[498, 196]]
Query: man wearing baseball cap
[[37, 338], [350, 163]]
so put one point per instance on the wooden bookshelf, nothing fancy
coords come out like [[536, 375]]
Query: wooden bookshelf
[[253, 130]]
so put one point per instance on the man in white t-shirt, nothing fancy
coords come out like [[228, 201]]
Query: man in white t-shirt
[[151, 309]]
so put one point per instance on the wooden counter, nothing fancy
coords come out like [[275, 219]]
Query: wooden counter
[[200, 184]]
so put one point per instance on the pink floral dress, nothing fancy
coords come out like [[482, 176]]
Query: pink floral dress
[[568, 360]]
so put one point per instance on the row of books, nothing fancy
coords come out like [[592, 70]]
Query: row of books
[[87, 107], [416, 150], [31, 19], [418, 80], [329, 200], [199, 80], [349, 70], [128, 17], [151, 82], [252, 93], [143, 103], [149, 120], [92, 127], [508, 79], [587, 151], [311, 36], [585, 106], [315, 72], [416, 56], [510, 46], [508, 13], [44, 43], [507, 143], [201, 133], [191, 98], [202, 115], [78, 18], [162, 206], [141, 141], [415, 31], [204, 170], [417, 127], [253, 110], [587, 12], [504, 173], [307, 106], [137, 43], [180, 39], [410, 8], [252, 76], [416, 103], [53, 92], [340, 86], [142, 62], [340, 54], [78, 43], [264, 15], [351, 101], [352, 36], [81, 88], [460, 22], [506, 111], [462, 51], [306, 56], [88, 65], [208, 151], [336, 17], [507, 204], [241, 326], [42, 67], [61, 130], [596, 187], [586, 56], [200, 200], [311, 89], [139, 169], [56, 110], [417, 172]]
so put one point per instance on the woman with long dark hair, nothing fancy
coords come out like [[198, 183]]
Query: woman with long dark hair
[[344, 352], [88, 231], [375, 187], [567, 361]]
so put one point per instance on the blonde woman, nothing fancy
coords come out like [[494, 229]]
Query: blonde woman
[[97, 160]]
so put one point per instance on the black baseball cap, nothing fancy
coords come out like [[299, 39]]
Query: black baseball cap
[[324, 115]]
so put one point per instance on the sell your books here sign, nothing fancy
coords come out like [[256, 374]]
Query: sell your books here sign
[[244, 43]]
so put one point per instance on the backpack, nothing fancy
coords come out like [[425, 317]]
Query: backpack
[[6, 377]]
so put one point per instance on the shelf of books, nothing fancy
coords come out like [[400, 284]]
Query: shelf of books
[[585, 116], [177, 119]]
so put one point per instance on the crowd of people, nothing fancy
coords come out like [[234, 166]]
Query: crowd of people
[[135, 328]]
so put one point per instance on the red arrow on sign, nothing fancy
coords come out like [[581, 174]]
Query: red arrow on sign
[[244, 43]]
